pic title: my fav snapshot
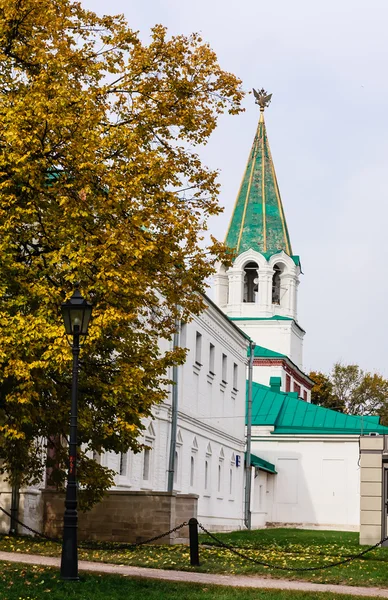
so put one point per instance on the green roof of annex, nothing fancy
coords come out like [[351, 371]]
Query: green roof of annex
[[290, 415]]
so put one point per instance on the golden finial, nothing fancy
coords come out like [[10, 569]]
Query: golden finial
[[263, 99]]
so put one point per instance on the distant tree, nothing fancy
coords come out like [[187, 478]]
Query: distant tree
[[323, 393], [371, 397], [350, 389], [345, 380]]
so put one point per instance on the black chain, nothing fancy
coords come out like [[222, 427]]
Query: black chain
[[42, 535], [98, 545], [265, 564]]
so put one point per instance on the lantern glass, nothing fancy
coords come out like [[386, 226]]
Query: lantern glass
[[76, 314]]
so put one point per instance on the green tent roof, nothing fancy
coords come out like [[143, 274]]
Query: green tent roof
[[290, 415], [258, 219], [262, 464]]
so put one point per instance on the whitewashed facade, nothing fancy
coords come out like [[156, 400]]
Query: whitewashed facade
[[209, 459], [317, 484]]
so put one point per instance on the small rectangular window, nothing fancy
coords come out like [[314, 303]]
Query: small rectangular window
[[176, 466], [235, 376], [297, 388], [211, 358], [288, 383], [123, 463], [146, 464], [192, 471], [182, 336], [230, 481], [198, 348], [224, 367], [206, 474], [305, 396]]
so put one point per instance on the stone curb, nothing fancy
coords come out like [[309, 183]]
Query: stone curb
[[203, 578]]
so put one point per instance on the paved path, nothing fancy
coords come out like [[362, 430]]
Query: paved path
[[203, 578]]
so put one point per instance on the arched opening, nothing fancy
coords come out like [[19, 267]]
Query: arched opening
[[276, 284], [251, 282]]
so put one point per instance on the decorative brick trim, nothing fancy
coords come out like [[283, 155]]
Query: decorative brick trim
[[279, 362]]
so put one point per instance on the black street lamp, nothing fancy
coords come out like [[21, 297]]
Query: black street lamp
[[76, 314]]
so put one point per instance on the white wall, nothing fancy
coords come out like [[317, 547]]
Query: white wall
[[317, 481], [211, 425]]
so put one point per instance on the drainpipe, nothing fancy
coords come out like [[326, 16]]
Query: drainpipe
[[13, 529], [174, 415], [248, 468]]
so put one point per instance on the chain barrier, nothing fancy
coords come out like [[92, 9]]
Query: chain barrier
[[124, 546], [98, 545], [272, 566]]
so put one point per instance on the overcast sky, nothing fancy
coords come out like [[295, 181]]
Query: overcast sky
[[326, 63]]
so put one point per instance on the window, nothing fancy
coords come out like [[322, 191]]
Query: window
[[235, 376], [194, 450], [305, 396], [198, 348], [276, 285], [207, 466], [224, 367], [220, 471], [288, 383], [211, 358], [183, 334], [146, 464], [123, 464], [149, 440], [251, 282], [232, 466], [297, 388], [192, 471], [176, 466]]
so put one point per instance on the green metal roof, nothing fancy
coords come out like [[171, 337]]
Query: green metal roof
[[273, 318], [258, 220], [261, 352], [262, 464], [290, 415]]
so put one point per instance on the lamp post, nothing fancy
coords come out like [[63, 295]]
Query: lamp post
[[76, 314]]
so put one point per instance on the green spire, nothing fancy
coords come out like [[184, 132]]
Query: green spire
[[258, 220]]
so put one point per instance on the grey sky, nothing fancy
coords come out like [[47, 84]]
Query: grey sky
[[326, 64]]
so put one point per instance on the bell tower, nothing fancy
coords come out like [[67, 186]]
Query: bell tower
[[259, 291]]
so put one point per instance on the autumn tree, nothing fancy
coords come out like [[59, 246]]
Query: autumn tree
[[322, 393], [100, 186], [351, 390]]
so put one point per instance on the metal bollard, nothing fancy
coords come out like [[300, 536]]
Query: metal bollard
[[194, 549]]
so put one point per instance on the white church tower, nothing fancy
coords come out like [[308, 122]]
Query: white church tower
[[259, 291]]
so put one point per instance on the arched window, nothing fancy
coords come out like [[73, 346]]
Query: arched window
[[276, 285], [251, 282]]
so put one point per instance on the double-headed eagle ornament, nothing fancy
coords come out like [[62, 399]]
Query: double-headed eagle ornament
[[263, 99]]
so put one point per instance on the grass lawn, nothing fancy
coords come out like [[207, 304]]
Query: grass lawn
[[21, 582], [283, 547]]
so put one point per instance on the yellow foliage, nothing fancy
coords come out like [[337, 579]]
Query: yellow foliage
[[100, 185]]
